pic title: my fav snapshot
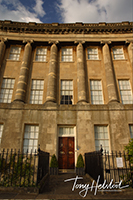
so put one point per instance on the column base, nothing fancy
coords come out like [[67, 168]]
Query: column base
[[18, 101], [82, 102], [50, 102], [113, 101]]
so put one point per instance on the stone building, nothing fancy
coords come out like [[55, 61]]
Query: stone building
[[67, 87]]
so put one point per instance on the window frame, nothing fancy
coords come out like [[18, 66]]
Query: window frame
[[72, 99], [41, 54], [39, 90], [99, 139], [28, 138], [117, 54], [11, 53], [1, 132], [121, 99], [7, 89], [93, 54], [131, 131], [65, 61], [99, 80]]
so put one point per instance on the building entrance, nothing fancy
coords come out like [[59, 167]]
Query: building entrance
[[66, 154]]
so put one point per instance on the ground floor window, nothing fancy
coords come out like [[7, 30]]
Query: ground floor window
[[101, 138], [31, 138], [131, 130], [1, 130]]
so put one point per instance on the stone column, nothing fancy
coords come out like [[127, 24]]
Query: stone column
[[110, 79], [24, 72], [130, 53], [81, 74], [2, 50], [51, 87]]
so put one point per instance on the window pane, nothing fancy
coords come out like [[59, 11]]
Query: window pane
[[1, 131], [125, 91], [96, 92], [36, 95], [92, 53], [101, 137], [30, 138], [67, 55], [131, 130], [118, 53], [7, 90], [66, 92], [14, 53], [41, 54]]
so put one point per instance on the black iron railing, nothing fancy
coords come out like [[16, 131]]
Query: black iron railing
[[113, 165], [22, 169]]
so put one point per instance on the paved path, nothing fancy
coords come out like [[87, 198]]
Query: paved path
[[56, 188]]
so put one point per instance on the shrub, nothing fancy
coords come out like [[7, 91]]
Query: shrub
[[54, 162], [129, 148], [80, 162]]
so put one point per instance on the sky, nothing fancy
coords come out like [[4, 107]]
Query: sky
[[66, 11]]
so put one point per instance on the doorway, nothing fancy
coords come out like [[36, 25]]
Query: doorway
[[66, 154]]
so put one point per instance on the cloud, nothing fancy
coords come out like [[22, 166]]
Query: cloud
[[38, 8], [14, 10], [92, 11]]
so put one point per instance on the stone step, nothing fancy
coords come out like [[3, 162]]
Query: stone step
[[56, 185]]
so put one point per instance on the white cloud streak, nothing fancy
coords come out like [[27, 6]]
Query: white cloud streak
[[14, 10], [38, 8], [92, 11]]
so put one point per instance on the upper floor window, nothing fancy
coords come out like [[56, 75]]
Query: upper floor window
[[92, 53], [1, 131], [125, 91], [96, 92], [101, 138], [41, 54], [14, 53], [67, 55], [118, 53], [131, 130], [36, 95], [7, 90], [31, 138], [66, 92]]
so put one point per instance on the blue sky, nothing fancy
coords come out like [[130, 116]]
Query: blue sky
[[66, 11]]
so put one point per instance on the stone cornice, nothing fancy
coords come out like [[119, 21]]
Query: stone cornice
[[73, 28]]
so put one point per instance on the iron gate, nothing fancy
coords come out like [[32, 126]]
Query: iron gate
[[94, 165]]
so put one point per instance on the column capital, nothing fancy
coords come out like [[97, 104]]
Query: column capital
[[53, 42], [4, 39], [129, 42], [28, 41], [79, 42], [105, 42]]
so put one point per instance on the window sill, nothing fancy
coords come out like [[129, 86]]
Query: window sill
[[13, 60], [119, 59], [93, 60], [34, 61], [66, 61]]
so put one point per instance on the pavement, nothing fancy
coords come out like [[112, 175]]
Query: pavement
[[56, 188]]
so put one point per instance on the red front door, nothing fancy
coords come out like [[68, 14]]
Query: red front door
[[66, 153]]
